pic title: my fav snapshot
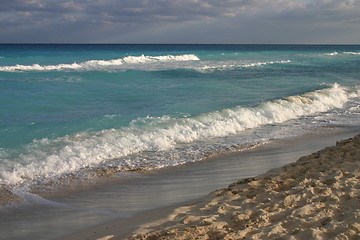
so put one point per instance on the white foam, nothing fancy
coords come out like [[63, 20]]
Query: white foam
[[337, 53], [101, 64], [332, 54], [352, 53], [228, 66], [48, 159]]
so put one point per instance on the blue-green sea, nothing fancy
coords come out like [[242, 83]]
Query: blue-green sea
[[68, 109]]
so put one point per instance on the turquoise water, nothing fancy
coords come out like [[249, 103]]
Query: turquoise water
[[66, 109]]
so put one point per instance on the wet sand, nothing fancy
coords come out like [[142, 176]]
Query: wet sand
[[317, 197], [7, 197]]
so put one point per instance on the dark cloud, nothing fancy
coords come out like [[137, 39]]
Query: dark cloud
[[131, 20]]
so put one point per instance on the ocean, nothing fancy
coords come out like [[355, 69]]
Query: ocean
[[71, 111]]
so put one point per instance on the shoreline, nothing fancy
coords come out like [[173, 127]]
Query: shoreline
[[212, 212], [317, 197]]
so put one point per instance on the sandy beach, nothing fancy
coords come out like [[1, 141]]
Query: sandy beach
[[317, 197]]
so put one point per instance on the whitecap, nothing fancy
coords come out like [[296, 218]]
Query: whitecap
[[352, 53], [49, 159], [228, 66], [332, 53], [92, 65]]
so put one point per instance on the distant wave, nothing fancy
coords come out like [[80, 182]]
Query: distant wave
[[100, 64], [337, 53], [48, 159], [332, 54], [352, 53], [227, 66]]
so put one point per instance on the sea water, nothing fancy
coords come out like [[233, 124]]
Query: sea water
[[66, 110]]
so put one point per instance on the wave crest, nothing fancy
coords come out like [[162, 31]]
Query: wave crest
[[100, 64], [337, 53], [48, 159], [352, 53], [227, 66]]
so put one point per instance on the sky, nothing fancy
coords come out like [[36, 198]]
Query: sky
[[180, 21]]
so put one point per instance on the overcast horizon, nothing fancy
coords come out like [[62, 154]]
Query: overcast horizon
[[180, 21]]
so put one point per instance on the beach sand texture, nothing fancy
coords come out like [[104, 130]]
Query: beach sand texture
[[317, 197]]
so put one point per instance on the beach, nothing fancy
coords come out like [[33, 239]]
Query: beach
[[316, 197]]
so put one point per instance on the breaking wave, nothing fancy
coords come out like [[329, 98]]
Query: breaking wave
[[352, 53], [337, 53], [49, 159], [227, 66], [332, 54], [101, 64]]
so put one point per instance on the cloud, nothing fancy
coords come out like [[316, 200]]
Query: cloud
[[119, 20]]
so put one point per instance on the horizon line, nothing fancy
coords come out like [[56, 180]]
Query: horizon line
[[44, 43]]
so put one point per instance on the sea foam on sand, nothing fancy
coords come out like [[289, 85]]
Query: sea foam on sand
[[317, 197]]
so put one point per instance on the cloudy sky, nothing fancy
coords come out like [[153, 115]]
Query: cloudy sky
[[180, 21]]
